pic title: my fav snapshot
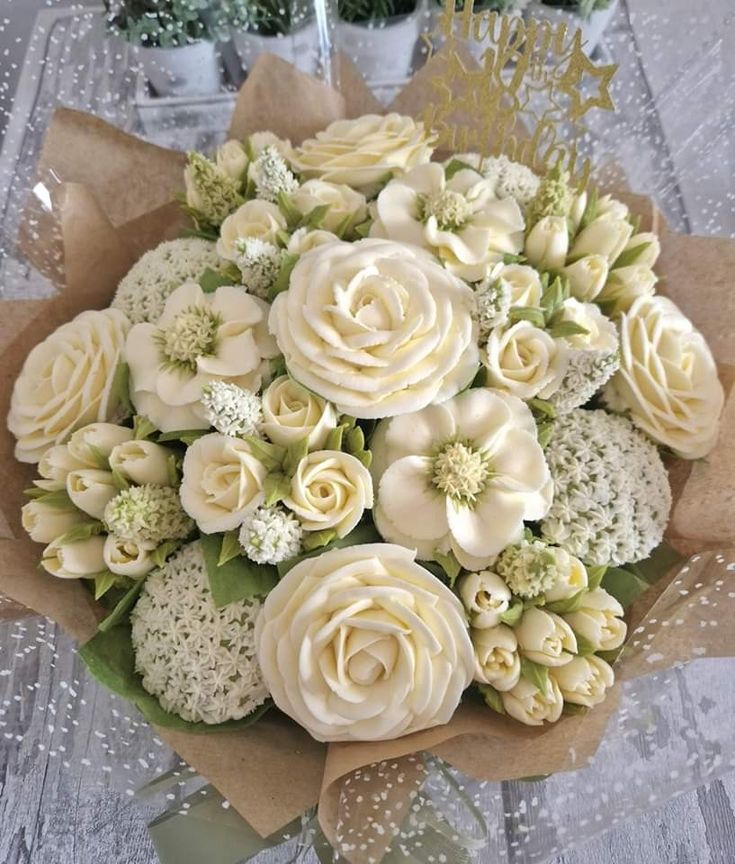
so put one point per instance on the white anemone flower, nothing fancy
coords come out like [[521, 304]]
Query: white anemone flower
[[462, 476]]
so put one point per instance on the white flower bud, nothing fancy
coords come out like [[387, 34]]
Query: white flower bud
[[545, 638], [91, 489], [571, 577], [526, 703], [496, 654], [584, 680], [599, 621], [126, 557], [579, 205], [45, 523], [587, 276], [56, 463], [78, 560], [485, 596], [97, 438], [232, 159], [625, 285], [548, 243], [610, 208], [648, 256], [603, 236], [142, 462]]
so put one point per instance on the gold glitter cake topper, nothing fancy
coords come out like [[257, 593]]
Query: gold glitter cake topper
[[526, 98]]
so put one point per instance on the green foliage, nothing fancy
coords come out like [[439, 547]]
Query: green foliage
[[373, 10], [267, 17], [582, 7], [238, 578], [164, 23]]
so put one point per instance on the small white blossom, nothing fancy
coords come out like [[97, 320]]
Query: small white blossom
[[271, 175], [511, 179], [259, 262], [587, 372], [197, 659], [270, 535], [493, 298], [147, 515], [528, 569], [232, 410]]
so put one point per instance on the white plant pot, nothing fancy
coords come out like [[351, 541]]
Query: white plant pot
[[300, 47], [592, 28], [383, 51], [191, 70]]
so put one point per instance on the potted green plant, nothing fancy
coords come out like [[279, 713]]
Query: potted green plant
[[283, 27], [589, 16], [380, 36], [175, 40]]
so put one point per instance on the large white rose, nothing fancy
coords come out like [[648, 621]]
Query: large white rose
[[66, 382], [497, 659], [260, 220], [462, 476], [376, 327], [460, 220], [525, 361], [667, 378], [291, 412], [361, 152], [346, 206], [584, 680], [199, 338], [363, 644], [222, 482], [545, 638], [485, 596], [599, 620], [330, 489], [526, 703]]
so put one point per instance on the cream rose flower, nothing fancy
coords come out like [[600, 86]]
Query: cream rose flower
[[199, 338], [126, 557], [460, 220], [485, 596], [498, 662], [377, 328], [79, 560], [291, 412], [587, 276], [232, 159], [599, 620], [45, 523], [363, 644], [545, 638], [532, 706], [624, 286], [360, 153], [347, 207], [525, 361], [256, 219], [584, 680], [524, 284], [330, 489], [66, 382], [462, 476], [667, 378], [222, 482]]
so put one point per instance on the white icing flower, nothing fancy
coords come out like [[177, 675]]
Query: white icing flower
[[624, 286], [230, 409], [232, 159], [55, 465], [570, 578], [93, 444], [599, 620], [261, 220], [271, 175], [604, 236], [459, 220], [347, 207], [291, 412], [498, 662], [610, 208], [378, 328], [330, 489], [526, 703], [304, 240], [460, 476], [525, 361], [587, 276], [648, 248], [269, 535], [364, 644], [524, 283], [143, 462], [545, 638], [529, 568], [210, 190], [91, 489], [142, 293], [667, 378], [222, 481], [206, 671], [198, 339], [127, 558], [81, 559], [259, 262], [361, 152], [66, 382], [485, 596], [584, 680], [493, 300], [147, 515], [45, 523], [547, 243], [509, 179]]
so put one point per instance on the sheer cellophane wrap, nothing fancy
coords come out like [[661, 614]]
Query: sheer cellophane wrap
[[103, 198]]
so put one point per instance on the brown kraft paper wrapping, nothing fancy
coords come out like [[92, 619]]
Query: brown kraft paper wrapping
[[102, 221]]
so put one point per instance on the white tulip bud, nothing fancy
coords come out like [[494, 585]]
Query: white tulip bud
[[599, 621], [91, 489], [547, 243], [97, 439], [625, 285], [485, 596], [610, 208], [545, 638], [526, 703], [579, 205], [584, 680], [83, 558], [571, 577], [56, 463], [603, 236], [142, 462], [127, 558], [587, 276], [648, 256], [45, 523], [232, 159], [496, 654]]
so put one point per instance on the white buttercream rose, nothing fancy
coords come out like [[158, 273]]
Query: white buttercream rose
[[142, 462], [599, 620], [587, 276], [376, 327], [524, 284], [45, 523], [363, 644], [347, 207], [66, 382], [462, 476], [79, 560], [584, 680], [222, 482], [547, 243], [330, 489], [256, 219], [485, 596], [497, 660], [199, 338], [291, 412], [361, 152], [526, 703], [126, 557], [667, 378], [525, 361], [545, 638]]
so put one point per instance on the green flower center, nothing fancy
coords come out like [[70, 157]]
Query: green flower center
[[461, 472], [192, 334], [450, 209]]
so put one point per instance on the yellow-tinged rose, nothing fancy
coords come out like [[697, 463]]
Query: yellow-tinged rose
[[291, 412], [525, 361], [346, 207], [256, 219]]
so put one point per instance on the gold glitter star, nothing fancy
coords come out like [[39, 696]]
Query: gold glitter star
[[579, 66]]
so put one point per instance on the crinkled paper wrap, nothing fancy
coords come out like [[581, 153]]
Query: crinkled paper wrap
[[111, 199]]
